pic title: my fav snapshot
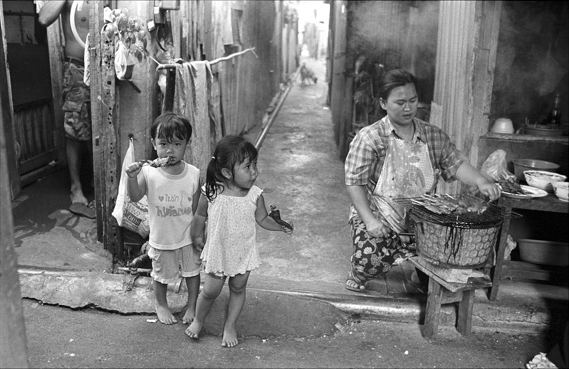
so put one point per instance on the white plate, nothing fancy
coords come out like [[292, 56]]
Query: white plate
[[530, 192]]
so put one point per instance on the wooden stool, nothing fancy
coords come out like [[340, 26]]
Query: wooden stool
[[443, 292]]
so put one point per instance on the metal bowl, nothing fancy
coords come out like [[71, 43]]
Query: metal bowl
[[521, 165]]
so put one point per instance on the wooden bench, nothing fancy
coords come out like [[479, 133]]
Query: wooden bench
[[444, 292]]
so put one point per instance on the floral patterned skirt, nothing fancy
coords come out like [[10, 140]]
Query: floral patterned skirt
[[373, 257]]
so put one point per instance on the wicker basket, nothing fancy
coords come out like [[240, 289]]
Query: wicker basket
[[454, 246]]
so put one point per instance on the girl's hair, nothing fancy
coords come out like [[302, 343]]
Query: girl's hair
[[393, 79], [170, 125], [229, 151]]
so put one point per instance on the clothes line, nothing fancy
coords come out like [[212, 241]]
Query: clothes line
[[175, 65]]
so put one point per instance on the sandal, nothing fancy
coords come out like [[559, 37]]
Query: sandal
[[354, 284]]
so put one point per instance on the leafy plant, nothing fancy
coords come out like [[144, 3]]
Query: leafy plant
[[128, 30]]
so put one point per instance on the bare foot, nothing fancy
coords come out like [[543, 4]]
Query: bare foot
[[77, 196], [229, 338], [193, 331], [164, 315], [188, 316]]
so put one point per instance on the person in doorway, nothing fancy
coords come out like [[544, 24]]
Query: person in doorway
[[172, 189], [398, 156], [232, 204], [76, 95]]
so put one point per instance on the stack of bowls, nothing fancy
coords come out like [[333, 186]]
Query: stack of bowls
[[503, 125]]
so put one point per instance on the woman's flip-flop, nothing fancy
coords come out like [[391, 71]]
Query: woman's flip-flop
[[353, 284]]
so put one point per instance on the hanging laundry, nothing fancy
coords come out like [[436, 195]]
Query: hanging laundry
[[192, 99]]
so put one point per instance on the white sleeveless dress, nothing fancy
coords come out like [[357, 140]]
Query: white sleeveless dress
[[231, 244]]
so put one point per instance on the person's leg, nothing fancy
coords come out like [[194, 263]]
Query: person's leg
[[211, 289], [237, 294], [372, 256], [73, 148], [164, 271], [164, 314], [193, 285], [191, 266]]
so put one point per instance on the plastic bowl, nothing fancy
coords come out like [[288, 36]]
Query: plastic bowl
[[503, 125], [531, 164], [542, 179], [561, 190], [544, 252]]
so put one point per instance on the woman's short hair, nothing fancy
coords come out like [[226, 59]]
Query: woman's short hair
[[393, 79]]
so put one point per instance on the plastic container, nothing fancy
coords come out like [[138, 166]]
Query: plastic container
[[544, 252], [520, 165], [503, 125], [542, 179]]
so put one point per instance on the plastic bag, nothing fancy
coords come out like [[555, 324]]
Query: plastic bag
[[494, 168], [129, 214]]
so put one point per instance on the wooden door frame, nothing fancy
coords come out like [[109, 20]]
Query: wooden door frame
[[8, 114]]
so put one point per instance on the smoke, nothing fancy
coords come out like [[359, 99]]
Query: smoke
[[531, 60]]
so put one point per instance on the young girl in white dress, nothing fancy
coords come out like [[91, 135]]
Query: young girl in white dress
[[231, 204]]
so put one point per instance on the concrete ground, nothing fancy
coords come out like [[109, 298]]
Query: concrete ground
[[302, 276]]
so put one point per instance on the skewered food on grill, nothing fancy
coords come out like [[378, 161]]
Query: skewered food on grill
[[447, 204]]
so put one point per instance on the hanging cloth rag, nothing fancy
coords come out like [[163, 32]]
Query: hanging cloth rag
[[192, 99]]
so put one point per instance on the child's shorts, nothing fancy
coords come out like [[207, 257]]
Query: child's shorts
[[168, 266]]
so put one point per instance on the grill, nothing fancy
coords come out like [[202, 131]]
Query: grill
[[455, 240]]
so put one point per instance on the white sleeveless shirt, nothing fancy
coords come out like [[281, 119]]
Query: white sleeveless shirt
[[170, 200]]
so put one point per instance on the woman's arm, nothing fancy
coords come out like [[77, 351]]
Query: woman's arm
[[264, 220], [374, 226], [468, 175]]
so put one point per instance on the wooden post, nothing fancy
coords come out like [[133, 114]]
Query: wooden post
[[104, 126], [8, 116], [13, 346]]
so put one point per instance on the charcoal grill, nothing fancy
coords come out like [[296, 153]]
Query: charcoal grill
[[455, 240]]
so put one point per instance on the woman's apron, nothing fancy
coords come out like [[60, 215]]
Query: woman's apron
[[407, 172]]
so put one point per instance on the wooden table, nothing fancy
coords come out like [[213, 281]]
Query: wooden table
[[548, 203], [442, 292]]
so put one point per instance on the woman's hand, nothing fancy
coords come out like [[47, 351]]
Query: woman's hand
[[377, 229], [492, 190]]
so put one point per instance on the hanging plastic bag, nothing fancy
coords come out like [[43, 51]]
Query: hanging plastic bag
[[129, 214], [495, 168], [124, 62]]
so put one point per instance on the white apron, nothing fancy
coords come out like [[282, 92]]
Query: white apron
[[407, 172]]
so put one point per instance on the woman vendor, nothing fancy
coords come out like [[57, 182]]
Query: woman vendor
[[399, 156]]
